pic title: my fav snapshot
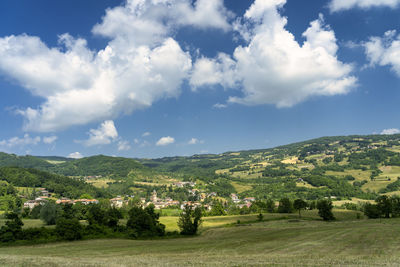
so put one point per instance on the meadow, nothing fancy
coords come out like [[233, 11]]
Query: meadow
[[276, 241]]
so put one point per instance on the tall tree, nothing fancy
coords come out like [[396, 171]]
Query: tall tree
[[190, 220], [325, 210], [299, 205]]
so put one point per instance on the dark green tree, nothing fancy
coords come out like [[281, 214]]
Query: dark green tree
[[48, 213], [285, 206], [270, 206], [189, 220], [217, 209], [384, 205], [372, 211], [144, 222], [12, 230], [325, 210], [299, 205], [69, 229]]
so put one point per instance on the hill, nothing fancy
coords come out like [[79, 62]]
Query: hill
[[60, 185], [23, 161], [97, 165], [341, 167]]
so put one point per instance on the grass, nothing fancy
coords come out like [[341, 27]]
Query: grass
[[269, 243], [359, 175], [241, 187], [100, 183], [28, 223], [354, 200]]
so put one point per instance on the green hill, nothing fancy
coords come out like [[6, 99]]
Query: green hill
[[61, 185], [98, 165], [23, 161], [341, 166]]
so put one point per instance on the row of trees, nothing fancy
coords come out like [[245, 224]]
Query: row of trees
[[385, 207], [101, 222]]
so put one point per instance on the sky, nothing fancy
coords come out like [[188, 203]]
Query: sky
[[156, 78]]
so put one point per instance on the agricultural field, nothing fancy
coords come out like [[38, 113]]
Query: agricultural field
[[307, 242]]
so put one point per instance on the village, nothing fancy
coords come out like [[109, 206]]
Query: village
[[158, 203]]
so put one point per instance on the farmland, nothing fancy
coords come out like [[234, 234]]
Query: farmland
[[307, 242]]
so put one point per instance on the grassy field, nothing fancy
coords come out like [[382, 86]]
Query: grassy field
[[241, 187], [269, 243]]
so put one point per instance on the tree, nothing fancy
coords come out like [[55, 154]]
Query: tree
[[384, 205], [13, 228], [285, 206], [69, 229], [299, 205], [48, 213], [372, 211], [325, 210], [190, 220], [144, 222], [217, 209], [113, 215], [270, 205]]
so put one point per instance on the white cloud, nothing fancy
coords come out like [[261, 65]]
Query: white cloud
[[339, 5], [123, 145], [20, 142], [195, 141], [144, 22], [220, 70], [49, 139], [384, 51], [164, 141], [219, 105], [140, 65], [75, 155], [391, 131], [274, 68], [103, 135], [136, 141], [146, 134]]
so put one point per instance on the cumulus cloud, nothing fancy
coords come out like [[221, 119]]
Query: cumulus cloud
[[75, 155], [123, 145], [20, 142], [384, 51], [103, 135], [164, 141], [273, 68], [141, 63], [49, 139], [339, 5], [391, 131]]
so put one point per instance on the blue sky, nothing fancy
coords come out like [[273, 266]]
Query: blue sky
[[150, 78]]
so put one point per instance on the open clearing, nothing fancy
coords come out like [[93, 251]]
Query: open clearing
[[269, 243]]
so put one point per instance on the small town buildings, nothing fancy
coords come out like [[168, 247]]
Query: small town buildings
[[235, 198], [33, 203], [117, 202], [249, 199], [182, 184], [86, 201]]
